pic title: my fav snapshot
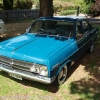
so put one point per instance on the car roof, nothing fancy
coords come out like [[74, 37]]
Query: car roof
[[73, 18]]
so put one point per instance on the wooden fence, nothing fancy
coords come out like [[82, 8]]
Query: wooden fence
[[11, 15]]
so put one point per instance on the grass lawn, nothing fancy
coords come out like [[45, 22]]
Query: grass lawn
[[83, 82]]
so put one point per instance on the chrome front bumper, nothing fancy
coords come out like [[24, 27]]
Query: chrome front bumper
[[27, 75]]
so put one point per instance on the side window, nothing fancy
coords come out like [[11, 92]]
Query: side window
[[79, 30], [65, 28], [85, 26]]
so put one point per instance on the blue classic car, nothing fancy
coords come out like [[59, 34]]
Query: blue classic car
[[48, 49]]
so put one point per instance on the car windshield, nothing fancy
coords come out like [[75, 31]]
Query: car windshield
[[53, 27]]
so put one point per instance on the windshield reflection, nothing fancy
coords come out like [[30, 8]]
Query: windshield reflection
[[53, 27]]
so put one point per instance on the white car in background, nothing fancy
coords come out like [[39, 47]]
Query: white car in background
[[2, 27]]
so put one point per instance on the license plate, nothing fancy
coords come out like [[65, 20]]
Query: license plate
[[15, 76]]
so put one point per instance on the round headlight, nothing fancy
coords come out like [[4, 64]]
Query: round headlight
[[43, 71], [34, 69]]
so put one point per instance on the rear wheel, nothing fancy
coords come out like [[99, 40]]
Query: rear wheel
[[61, 76], [91, 48]]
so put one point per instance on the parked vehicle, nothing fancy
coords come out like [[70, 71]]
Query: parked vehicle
[[2, 27], [50, 46]]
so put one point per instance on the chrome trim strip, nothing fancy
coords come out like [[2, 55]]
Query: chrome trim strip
[[33, 77], [15, 63]]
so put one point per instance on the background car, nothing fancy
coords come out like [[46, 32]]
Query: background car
[[2, 27]]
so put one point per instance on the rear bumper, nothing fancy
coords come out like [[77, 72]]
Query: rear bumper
[[26, 75]]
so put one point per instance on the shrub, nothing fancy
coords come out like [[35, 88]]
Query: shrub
[[22, 4], [37, 5], [57, 8], [60, 6], [68, 12], [71, 8], [95, 8], [84, 8], [1, 6]]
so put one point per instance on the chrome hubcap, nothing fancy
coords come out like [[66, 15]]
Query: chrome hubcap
[[62, 75], [91, 48]]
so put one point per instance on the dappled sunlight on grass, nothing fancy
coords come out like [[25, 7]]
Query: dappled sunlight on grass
[[88, 87]]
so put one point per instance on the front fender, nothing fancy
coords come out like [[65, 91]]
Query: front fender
[[58, 68]]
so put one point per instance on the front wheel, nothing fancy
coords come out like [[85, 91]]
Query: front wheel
[[60, 79]]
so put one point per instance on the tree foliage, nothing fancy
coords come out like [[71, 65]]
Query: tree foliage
[[90, 1]]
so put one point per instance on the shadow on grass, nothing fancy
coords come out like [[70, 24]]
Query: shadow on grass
[[89, 88], [29, 83]]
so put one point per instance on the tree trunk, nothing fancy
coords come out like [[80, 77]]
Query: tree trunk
[[46, 8], [8, 4]]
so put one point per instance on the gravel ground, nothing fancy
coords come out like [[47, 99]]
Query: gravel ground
[[14, 29]]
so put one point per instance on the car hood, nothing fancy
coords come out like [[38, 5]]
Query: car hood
[[32, 48]]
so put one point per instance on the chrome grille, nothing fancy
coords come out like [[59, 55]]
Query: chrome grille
[[15, 64], [5, 59], [21, 68], [21, 63]]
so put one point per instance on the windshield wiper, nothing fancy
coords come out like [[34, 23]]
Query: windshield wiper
[[42, 30]]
